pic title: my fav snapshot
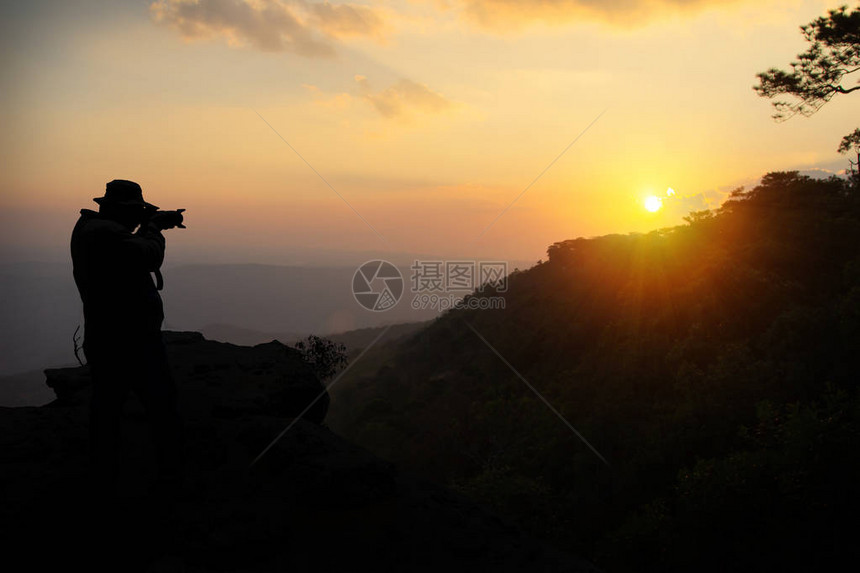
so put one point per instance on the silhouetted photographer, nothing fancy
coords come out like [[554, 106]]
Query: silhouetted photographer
[[113, 269]]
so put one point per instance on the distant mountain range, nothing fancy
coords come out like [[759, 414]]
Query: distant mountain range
[[244, 304], [40, 308], [267, 298], [29, 388], [354, 340]]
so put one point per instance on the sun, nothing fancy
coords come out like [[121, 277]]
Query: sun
[[653, 203]]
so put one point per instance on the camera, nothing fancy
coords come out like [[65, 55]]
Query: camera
[[164, 219]]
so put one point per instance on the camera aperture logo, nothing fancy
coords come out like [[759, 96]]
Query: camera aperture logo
[[377, 285], [439, 285]]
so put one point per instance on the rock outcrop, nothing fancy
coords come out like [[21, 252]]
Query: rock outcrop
[[314, 502]]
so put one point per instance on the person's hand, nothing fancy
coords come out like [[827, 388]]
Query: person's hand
[[167, 219]]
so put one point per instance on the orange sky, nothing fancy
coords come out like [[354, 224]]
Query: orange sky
[[427, 118]]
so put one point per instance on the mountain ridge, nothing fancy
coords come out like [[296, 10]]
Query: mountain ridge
[[310, 492], [712, 364]]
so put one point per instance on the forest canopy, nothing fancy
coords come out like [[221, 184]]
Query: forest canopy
[[713, 364]]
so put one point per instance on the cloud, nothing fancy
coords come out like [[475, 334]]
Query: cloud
[[402, 97], [401, 100], [515, 14], [678, 206], [338, 101], [296, 26], [343, 20]]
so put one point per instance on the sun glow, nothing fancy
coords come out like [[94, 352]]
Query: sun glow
[[653, 203]]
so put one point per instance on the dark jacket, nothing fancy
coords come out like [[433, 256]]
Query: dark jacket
[[112, 269]]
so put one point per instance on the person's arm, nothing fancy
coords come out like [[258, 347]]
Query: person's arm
[[143, 249]]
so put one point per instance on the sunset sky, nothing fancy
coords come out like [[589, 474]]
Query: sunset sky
[[427, 118]]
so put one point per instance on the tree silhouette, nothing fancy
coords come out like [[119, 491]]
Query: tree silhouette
[[325, 357], [817, 74], [851, 143]]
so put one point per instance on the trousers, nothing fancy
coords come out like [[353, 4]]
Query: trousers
[[138, 364]]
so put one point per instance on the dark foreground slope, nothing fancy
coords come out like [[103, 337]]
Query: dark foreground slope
[[715, 365], [314, 502]]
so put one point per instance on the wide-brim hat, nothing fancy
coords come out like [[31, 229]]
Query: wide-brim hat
[[123, 192]]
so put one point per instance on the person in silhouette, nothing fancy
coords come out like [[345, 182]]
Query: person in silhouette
[[123, 313]]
